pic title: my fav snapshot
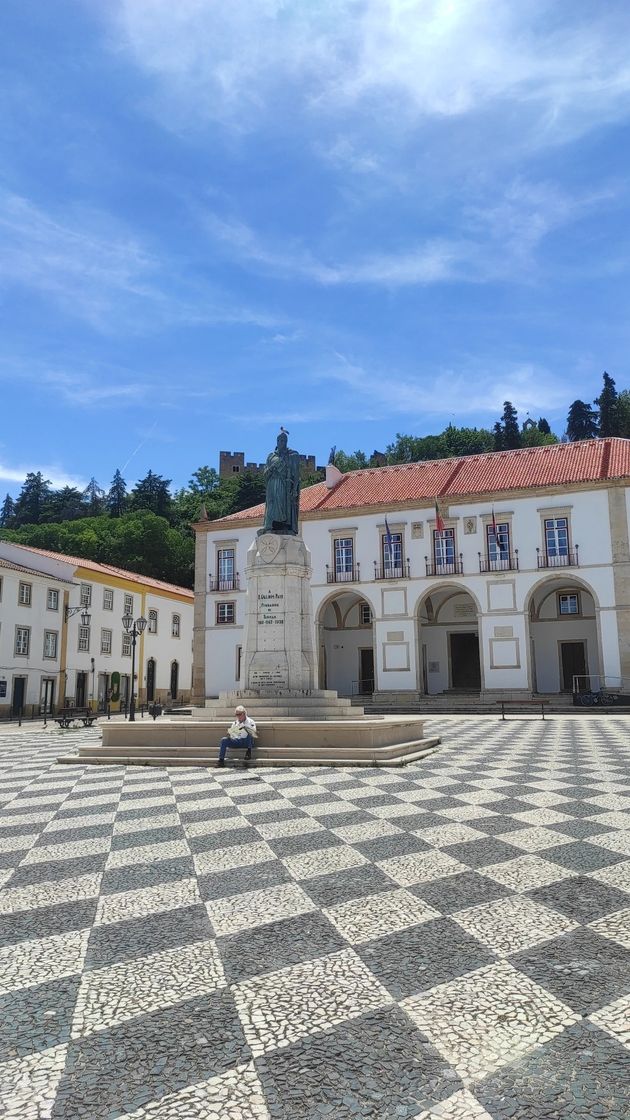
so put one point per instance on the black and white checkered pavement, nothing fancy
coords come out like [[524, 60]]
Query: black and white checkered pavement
[[449, 940]]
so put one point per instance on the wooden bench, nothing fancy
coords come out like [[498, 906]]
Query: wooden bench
[[66, 716], [523, 703]]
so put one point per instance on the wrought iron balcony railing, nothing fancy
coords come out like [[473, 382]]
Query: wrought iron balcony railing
[[392, 571], [506, 563], [230, 583], [338, 575], [453, 567], [568, 559]]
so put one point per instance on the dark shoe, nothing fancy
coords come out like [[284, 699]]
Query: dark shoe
[[221, 762], [248, 753]]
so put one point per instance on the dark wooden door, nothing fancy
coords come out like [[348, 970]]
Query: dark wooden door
[[366, 671], [81, 690], [465, 666], [150, 680], [573, 661], [19, 693], [174, 679]]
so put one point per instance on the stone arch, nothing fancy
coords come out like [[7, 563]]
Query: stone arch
[[564, 635], [447, 616], [345, 643]]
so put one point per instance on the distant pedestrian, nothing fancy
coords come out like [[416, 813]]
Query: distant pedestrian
[[240, 736]]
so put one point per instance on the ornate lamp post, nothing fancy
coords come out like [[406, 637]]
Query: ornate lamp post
[[133, 629]]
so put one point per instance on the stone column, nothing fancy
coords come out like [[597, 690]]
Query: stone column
[[279, 648]]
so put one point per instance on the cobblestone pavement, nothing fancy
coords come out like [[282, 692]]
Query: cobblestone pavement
[[448, 940]]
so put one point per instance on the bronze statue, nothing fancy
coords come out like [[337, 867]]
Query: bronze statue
[[282, 475]]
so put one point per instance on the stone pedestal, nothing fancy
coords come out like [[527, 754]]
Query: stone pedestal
[[279, 649]]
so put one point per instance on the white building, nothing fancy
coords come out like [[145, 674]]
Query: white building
[[88, 665], [524, 590]]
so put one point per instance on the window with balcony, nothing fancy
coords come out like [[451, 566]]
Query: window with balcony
[[226, 559], [557, 552], [52, 599], [226, 614], [499, 556], [175, 626], [50, 643], [445, 562], [392, 565], [343, 561], [22, 641], [108, 599], [106, 641], [25, 594]]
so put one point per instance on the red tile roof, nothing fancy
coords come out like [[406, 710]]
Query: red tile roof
[[108, 570], [556, 465]]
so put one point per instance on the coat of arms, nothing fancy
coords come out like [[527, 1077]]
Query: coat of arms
[[269, 546]]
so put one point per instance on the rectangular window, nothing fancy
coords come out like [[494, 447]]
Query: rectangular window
[[25, 594], [22, 641], [175, 626], [392, 554], [85, 595], [226, 613], [126, 645], [108, 599], [153, 619], [50, 643], [128, 607], [365, 614], [498, 543], [84, 639], [225, 569], [556, 537], [106, 641], [344, 559], [52, 599], [444, 549], [569, 604]]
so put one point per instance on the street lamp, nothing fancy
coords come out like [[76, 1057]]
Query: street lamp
[[86, 617], [133, 629]]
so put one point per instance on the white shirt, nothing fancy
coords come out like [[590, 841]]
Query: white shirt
[[240, 729]]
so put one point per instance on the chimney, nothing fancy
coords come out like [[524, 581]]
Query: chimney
[[333, 476]]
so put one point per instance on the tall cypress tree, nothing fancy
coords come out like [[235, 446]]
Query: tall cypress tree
[[581, 422], [116, 497], [31, 503], [511, 430], [608, 409], [7, 512]]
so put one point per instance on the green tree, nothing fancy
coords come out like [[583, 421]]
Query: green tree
[[152, 493], [581, 422], [66, 504], [497, 435], [623, 413], [94, 498], [533, 437], [32, 499], [7, 513], [116, 497], [608, 408], [510, 427], [543, 426]]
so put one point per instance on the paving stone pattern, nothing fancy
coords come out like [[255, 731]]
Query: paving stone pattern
[[450, 940]]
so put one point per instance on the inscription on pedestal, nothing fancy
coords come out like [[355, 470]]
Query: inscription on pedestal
[[268, 678], [270, 608]]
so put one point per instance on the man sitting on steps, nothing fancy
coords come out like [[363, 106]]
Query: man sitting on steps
[[240, 736]]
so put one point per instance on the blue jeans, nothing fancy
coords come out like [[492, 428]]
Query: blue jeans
[[234, 744]]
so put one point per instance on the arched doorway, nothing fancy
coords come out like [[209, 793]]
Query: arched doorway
[[346, 645], [563, 635], [150, 679], [449, 641]]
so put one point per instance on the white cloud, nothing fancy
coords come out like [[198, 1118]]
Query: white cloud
[[400, 60], [56, 475]]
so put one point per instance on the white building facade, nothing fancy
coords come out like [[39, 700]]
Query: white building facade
[[92, 664], [517, 585]]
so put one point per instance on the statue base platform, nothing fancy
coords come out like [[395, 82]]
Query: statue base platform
[[363, 741], [264, 705]]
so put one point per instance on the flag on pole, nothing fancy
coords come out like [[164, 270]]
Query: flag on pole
[[388, 537], [439, 523]]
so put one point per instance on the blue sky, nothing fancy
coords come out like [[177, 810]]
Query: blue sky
[[352, 217]]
